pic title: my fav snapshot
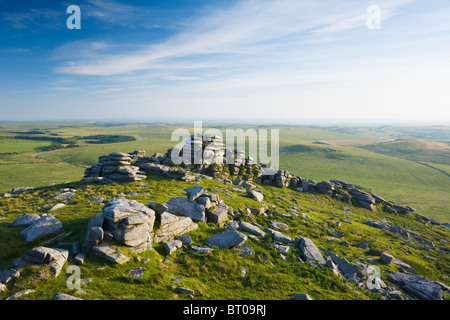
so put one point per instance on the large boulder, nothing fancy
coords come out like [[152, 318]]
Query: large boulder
[[195, 192], [255, 194], [417, 286], [248, 227], [227, 239], [55, 258], [183, 206], [310, 251], [129, 222], [44, 226], [173, 226], [25, 220], [344, 266]]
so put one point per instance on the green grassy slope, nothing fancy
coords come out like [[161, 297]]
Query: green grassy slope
[[218, 275], [395, 179]]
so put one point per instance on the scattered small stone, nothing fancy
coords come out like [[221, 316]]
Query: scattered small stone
[[183, 290], [301, 296], [137, 272]]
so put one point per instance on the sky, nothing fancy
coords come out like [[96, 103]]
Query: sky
[[253, 60]]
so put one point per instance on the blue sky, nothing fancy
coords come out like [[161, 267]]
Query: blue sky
[[244, 60]]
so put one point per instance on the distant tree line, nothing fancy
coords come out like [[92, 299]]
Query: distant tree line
[[72, 142], [104, 139]]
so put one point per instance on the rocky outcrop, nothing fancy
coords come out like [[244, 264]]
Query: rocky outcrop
[[200, 206], [128, 222], [310, 251], [172, 226], [347, 269], [116, 167], [54, 258], [417, 286], [38, 228], [227, 239]]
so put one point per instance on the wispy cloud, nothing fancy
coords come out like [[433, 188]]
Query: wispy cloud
[[254, 27]]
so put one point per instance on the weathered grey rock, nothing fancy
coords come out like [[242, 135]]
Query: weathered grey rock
[[64, 296], [278, 236], [245, 226], [185, 291], [105, 251], [55, 258], [195, 192], [117, 209], [204, 201], [310, 251], [64, 196], [387, 258], [173, 226], [8, 275], [279, 225], [183, 206], [201, 249], [255, 194], [137, 272], [185, 239], [363, 199], [159, 208], [301, 296], [344, 266], [93, 237], [79, 259], [2, 287], [227, 239], [57, 206], [20, 293], [25, 220], [232, 225], [417, 286], [44, 226], [245, 249], [218, 215], [129, 222], [171, 246]]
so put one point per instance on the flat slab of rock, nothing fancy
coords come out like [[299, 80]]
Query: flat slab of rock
[[105, 251], [57, 206], [64, 196], [25, 220], [310, 251], [301, 296], [255, 194], [183, 206], [417, 286], [278, 236], [195, 192], [8, 275], [64, 296], [44, 226], [173, 226], [172, 245], [343, 265], [245, 226], [219, 215], [227, 239]]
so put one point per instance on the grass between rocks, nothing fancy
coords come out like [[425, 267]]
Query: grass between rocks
[[217, 275]]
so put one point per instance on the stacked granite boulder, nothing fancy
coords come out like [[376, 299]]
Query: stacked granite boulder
[[199, 205], [125, 221], [205, 154], [116, 167]]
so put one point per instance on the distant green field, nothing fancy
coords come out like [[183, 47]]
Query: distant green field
[[18, 145], [395, 179], [417, 150]]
